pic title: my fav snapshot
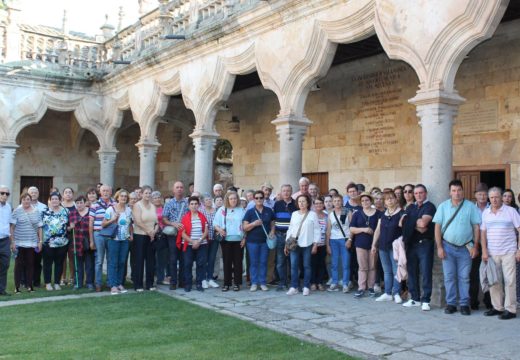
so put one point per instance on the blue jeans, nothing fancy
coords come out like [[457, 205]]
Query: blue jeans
[[212, 254], [419, 257], [392, 286], [117, 253], [101, 248], [281, 258], [258, 253], [456, 267], [200, 256], [337, 249], [305, 252]]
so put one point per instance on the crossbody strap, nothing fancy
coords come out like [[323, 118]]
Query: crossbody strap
[[225, 216], [301, 224], [339, 223], [263, 227], [452, 217]]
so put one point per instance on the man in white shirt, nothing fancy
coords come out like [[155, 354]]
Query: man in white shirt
[[5, 237]]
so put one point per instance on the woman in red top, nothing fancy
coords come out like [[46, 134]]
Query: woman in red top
[[194, 240]]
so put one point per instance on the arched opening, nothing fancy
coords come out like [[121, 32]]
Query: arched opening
[[126, 171], [223, 163]]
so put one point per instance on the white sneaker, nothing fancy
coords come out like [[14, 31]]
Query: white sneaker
[[397, 299], [114, 291], [292, 291], [377, 288], [306, 291], [212, 283], [411, 303], [384, 297], [345, 289], [49, 287], [205, 284], [333, 287], [253, 288], [329, 282], [264, 288], [425, 307], [57, 287], [122, 289]]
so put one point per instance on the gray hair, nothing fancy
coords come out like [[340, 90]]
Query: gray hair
[[286, 185], [495, 189], [31, 188], [304, 180], [156, 194]]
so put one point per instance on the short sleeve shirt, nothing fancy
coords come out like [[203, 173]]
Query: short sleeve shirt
[[500, 230], [415, 212], [460, 231], [123, 222], [26, 227], [55, 227], [257, 234], [361, 220]]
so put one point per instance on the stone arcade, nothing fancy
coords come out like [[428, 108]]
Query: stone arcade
[[392, 76]]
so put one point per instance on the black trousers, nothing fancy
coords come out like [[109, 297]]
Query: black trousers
[[56, 257], [318, 267], [144, 254], [5, 258], [232, 255], [37, 274], [176, 256]]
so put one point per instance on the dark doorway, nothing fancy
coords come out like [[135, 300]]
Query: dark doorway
[[43, 183], [321, 179], [491, 176]]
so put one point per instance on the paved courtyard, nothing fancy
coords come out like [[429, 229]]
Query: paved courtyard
[[364, 328]]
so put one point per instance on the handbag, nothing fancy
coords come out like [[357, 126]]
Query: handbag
[[270, 240], [110, 230], [160, 240], [169, 230], [292, 242], [218, 236]]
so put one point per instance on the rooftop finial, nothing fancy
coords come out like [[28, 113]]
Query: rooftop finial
[[121, 17], [65, 23]]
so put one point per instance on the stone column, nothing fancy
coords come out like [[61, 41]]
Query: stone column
[[147, 153], [291, 131], [7, 154], [436, 111], [204, 145], [107, 160]]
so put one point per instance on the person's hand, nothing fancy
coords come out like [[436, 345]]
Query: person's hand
[[485, 255], [348, 243], [440, 253], [222, 232], [517, 256], [258, 222], [314, 249], [286, 251], [369, 231], [177, 225], [195, 244], [39, 246], [374, 250], [92, 245], [473, 252], [242, 243], [329, 252], [13, 246]]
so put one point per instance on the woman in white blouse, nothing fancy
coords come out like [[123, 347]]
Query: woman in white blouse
[[305, 226]]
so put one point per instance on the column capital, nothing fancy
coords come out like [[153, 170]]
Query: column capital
[[436, 105], [8, 150], [148, 148], [291, 126], [107, 156]]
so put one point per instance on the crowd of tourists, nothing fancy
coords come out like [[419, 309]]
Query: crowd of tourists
[[379, 243]]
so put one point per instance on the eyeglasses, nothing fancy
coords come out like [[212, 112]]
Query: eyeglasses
[[408, 191], [259, 198], [4, 193]]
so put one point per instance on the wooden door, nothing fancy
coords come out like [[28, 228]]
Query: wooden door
[[470, 180], [43, 183], [321, 179]]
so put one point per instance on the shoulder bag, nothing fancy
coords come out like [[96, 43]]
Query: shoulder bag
[[172, 230], [218, 236], [271, 241], [292, 242], [339, 224], [111, 229]]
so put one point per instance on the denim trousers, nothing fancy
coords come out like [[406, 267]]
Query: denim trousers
[[318, 267], [337, 250], [392, 286], [212, 255], [305, 253], [200, 256], [101, 248], [176, 262], [258, 253], [456, 267], [117, 253], [281, 258], [419, 257]]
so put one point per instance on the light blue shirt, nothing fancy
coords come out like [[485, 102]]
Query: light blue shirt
[[233, 222], [460, 231], [5, 220]]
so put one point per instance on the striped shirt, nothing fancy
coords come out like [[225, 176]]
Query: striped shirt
[[282, 213], [210, 216], [196, 230], [97, 212], [500, 230], [26, 227]]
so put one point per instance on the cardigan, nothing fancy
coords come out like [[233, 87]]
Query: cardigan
[[186, 227]]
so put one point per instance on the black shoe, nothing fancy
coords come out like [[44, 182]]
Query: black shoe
[[236, 288], [450, 309], [187, 289], [225, 288], [474, 307], [507, 315], [464, 310], [200, 288], [493, 312], [173, 286]]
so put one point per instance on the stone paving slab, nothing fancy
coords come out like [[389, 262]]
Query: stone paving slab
[[366, 329]]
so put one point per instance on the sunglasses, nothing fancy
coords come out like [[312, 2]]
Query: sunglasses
[[408, 191], [259, 198], [4, 193]]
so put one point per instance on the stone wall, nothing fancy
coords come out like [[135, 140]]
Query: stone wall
[[364, 129]]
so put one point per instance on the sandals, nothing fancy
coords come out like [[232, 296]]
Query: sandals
[[225, 288]]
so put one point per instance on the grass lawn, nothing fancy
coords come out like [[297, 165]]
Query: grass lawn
[[39, 292], [141, 326]]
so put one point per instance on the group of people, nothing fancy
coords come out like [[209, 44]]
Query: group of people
[[381, 240]]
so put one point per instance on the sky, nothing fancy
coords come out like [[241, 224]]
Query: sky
[[83, 16]]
